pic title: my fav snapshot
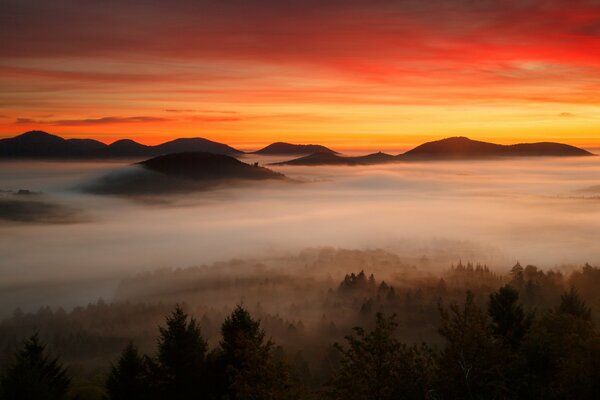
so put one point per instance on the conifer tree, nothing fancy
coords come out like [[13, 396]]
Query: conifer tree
[[509, 320], [376, 366], [128, 379], [34, 375], [179, 369], [246, 362]]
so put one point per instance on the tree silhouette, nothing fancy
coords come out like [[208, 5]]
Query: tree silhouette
[[180, 364], [509, 321], [571, 304], [128, 379], [245, 363], [376, 366], [470, 365], [34, 375]]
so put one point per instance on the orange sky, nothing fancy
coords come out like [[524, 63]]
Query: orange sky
[[378, 75]]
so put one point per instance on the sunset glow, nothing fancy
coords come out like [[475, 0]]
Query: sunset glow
[[381, 75]]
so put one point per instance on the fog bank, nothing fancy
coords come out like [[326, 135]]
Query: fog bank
[[497, 212]]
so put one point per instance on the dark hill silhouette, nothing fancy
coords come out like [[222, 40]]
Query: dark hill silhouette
[[280, 148], [454, 148], [195, 144], [207, 166], [180, 172], [375, 158], [334, 159], [127, 148], [39, 144], [319, 159], [465, 148]]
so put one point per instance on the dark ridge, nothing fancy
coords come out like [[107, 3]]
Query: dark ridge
[[207, 167], [196, 144], [375, 158], [465, 148], [179, 173], [334, 159], [546, 149], [127, 148], [39, 144], [281, 148], [320, 159]]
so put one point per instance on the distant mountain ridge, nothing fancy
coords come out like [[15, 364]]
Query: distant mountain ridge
[[453, 148], [39, 144], [335, 159], [461, 147], [282, 148]]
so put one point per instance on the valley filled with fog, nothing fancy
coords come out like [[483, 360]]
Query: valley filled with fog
[[69, 247]]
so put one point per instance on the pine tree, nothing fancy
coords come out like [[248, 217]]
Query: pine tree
[[179, 369], [245, 362], [34, 375], [571, 304], [128, 379], [376, 366], [509, 321], [469, 364]]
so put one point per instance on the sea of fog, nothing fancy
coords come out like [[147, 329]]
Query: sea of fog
[[543, 211]]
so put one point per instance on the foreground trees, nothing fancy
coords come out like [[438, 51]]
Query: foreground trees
[[179, 370], [127, 379], [34, 375], [376, 365], [503, 353], [490, 348], [242, 367], [244, 364]]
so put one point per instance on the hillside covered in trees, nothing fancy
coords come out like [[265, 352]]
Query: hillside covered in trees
[[390, 331]]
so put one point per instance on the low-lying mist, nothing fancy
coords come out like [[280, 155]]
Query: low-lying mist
[[537, 211]]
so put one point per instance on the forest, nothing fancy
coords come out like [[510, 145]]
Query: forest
[[299, 327]]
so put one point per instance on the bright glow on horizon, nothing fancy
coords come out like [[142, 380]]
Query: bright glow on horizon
[[349, 75]]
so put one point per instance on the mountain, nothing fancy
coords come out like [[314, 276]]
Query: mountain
[[281, 148], [195, 144], [465, 148], [201, 166], [179, 173], [127, 148], [319, 159], [334, 159], [39, 144], [375, 158]]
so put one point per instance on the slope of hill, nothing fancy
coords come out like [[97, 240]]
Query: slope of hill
[[24, 206], [465, 148], [38, 144], [195, 144], [127, 148], [281, 148], [207, 167], [334, 159], [180, 172], [319, 159]]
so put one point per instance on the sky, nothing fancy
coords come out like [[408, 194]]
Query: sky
[[351, 74]]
